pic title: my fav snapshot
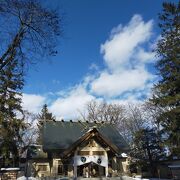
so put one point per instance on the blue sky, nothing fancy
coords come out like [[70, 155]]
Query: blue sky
[[105, 53]]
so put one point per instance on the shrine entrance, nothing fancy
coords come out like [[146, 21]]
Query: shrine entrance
[[91, 169], [90, 166]]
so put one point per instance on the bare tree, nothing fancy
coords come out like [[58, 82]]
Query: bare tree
[[152, 113], [135, 114], [29, 29], [108, 113], [29, 135], [127, 118], [102, 111]]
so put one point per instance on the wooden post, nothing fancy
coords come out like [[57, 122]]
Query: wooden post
[[75, 171], [106, 171]]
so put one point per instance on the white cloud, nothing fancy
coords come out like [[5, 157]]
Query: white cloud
[[145, 56], [129, 100], [32, 102], [68, 106], [115, 84], [125, 57], [121, 46]]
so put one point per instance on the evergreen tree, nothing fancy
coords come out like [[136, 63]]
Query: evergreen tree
[[42, 117], [11, 114], [167, 91], [147, 148]]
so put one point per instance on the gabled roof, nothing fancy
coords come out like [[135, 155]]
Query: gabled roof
[[92, 133], [62, 135]]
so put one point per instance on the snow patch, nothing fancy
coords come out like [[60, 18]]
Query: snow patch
[[26, 178]]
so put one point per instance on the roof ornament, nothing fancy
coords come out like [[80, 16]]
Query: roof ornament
[[85, 124], [95, 125]]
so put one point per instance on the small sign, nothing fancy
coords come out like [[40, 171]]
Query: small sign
[[99, 161], [83, 159]]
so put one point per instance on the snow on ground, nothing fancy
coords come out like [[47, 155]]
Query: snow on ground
[[124, 178], [25, 178], [139, 178]]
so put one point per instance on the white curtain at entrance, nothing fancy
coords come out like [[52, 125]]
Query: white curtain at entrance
[[100, 160]]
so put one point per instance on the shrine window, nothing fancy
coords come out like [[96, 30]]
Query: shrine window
[[42, 167], [98, 153], [83, 153]]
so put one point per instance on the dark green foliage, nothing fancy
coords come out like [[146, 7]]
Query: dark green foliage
[[147, 143], [147, 148], [11, 115], [43, 116], [166, 94]]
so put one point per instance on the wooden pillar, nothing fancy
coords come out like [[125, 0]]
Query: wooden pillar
[[75, 171], [106, 168], [114, 163], [106, 171]]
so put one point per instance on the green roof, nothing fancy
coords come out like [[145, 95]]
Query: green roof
[[61, 135]]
